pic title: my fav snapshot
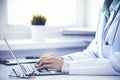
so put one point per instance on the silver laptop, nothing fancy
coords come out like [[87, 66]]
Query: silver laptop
[[29, 70]]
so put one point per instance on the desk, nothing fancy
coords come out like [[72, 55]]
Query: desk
[[5, 71], [78, 77]]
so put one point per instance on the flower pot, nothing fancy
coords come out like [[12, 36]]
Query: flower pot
[[38, 32]]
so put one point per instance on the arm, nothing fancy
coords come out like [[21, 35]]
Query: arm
[[90, 52], [97, 66]]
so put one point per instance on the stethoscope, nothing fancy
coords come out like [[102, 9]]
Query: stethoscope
[[109, 36]]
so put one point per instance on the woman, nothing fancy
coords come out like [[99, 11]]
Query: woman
[[102, 57]]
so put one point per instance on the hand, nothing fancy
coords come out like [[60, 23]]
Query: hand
[[50, 61]]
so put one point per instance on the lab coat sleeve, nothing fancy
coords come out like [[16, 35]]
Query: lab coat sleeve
[[90, 52], [65, 67], [87, 53], [115, 61], [96, 66]]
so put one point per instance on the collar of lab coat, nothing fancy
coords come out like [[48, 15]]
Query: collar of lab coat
[[109, 6], [115, 5]]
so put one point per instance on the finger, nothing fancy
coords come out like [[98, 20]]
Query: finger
[[47, 56], [38, 60], [44, 61], [44, 66], [42, 58]]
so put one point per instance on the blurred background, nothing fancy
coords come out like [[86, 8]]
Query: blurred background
[[15, 16]]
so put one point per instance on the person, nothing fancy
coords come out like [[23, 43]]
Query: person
[[102, 56]]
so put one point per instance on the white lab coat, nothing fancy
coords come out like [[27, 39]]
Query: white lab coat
[[102, 57]]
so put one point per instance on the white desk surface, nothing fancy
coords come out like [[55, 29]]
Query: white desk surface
[[5, 71], [72, 77], [77, 77]]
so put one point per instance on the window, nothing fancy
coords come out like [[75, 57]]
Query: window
[[58, 12], [15, 15]]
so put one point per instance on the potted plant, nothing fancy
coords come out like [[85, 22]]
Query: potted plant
[[38, 19], [38, 26]]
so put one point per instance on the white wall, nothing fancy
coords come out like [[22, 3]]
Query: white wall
[[80, 13], [91, 12], [3, 15]]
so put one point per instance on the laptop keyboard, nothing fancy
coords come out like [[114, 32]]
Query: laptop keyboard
[[31, 70], [29, 67]]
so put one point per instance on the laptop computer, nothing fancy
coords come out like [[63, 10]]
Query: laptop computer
[[29, 70]]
